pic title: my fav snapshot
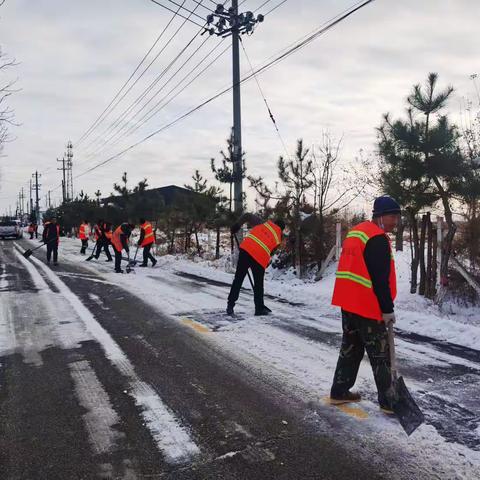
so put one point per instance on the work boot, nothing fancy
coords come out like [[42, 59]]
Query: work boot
[[347, 397], [154, 262], [230, 310], [143, 265], [262, 311], [119, 271], [55, 264], [109, 260]]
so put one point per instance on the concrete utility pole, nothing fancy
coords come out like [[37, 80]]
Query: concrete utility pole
[[22, 202], [69, 155], [37, 206], [31, 199], [64, 190], [226, 23]]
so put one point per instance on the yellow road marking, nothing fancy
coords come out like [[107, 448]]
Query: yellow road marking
[[195, 325], [347, 408]]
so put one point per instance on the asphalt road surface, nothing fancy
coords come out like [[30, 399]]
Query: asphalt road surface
[[96, 383]]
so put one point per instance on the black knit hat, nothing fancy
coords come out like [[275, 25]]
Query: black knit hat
[[385, 205]]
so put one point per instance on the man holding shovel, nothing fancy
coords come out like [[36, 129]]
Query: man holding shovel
[[255, 253], [365, 289], [120, 242], [51, 237]]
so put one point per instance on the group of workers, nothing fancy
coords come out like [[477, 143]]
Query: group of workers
[[365, 285], [104, 236], [365, 289]]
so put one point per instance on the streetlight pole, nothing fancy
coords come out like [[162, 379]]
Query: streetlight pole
[[226, 23]]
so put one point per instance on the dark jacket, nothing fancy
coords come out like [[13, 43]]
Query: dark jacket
[[50, 232], [377, 259]]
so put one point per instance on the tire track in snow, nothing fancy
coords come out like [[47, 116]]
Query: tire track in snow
[[172, 439]]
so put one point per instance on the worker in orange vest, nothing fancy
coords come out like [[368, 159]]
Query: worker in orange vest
[[365, 289], [83, 236], [102, 239], [255, 254], [120, 242], [146, 241]]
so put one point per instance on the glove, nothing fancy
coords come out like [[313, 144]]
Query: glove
[[235, 228], [388, 318]]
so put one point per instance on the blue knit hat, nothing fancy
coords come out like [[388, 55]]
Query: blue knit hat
[[385, 205]]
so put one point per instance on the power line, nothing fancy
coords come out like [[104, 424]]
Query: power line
[[269, 110], [148, 89], [126, 124], [179, 14], [100, 118], [274, 8], [268, 65]]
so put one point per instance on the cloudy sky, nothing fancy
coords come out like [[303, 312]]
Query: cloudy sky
[[75, 55]]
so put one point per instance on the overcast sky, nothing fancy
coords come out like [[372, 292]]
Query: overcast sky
[[74, 56]]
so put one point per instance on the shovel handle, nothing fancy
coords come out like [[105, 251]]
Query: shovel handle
[[391, 345], [248, 272]]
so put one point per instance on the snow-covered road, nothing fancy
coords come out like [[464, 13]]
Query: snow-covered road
[[142, 376]]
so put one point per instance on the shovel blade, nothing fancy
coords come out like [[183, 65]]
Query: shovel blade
[[406, 409], [27, 253]]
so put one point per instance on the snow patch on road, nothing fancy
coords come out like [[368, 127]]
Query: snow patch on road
[[100, 417]]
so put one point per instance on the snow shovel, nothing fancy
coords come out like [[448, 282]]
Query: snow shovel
[[91, 253], [134, 261], [129, 268], [28, 253], [403, 404]]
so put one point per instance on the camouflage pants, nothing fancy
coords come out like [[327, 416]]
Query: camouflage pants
[[360, 334]]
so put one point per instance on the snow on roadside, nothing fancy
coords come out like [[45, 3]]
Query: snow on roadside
[[415, 314]]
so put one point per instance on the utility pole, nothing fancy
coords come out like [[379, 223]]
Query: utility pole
[[37, 206], [69, 169], [22, 203], [31, 199], [226, 23], [64, 190]]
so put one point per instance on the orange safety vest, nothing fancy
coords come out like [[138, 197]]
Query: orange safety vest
[[261, 241], [116, 242], [82, 232], [149, 237], [353, 290], [109, 234]]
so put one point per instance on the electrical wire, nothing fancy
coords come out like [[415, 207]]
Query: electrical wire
[[269, 110], [146, 91], [179, 14], [274, 8], [101, 117], [262, 69]]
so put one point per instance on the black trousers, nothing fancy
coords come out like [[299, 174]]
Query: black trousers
[[52, 248], [102, 244], [118, 259], [246, 261], [31, 235], [147, 255], [360, 334], [84, 246]]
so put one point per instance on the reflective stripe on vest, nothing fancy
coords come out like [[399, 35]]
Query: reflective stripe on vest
[[149, 235], [355, 278], [261, 241]]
